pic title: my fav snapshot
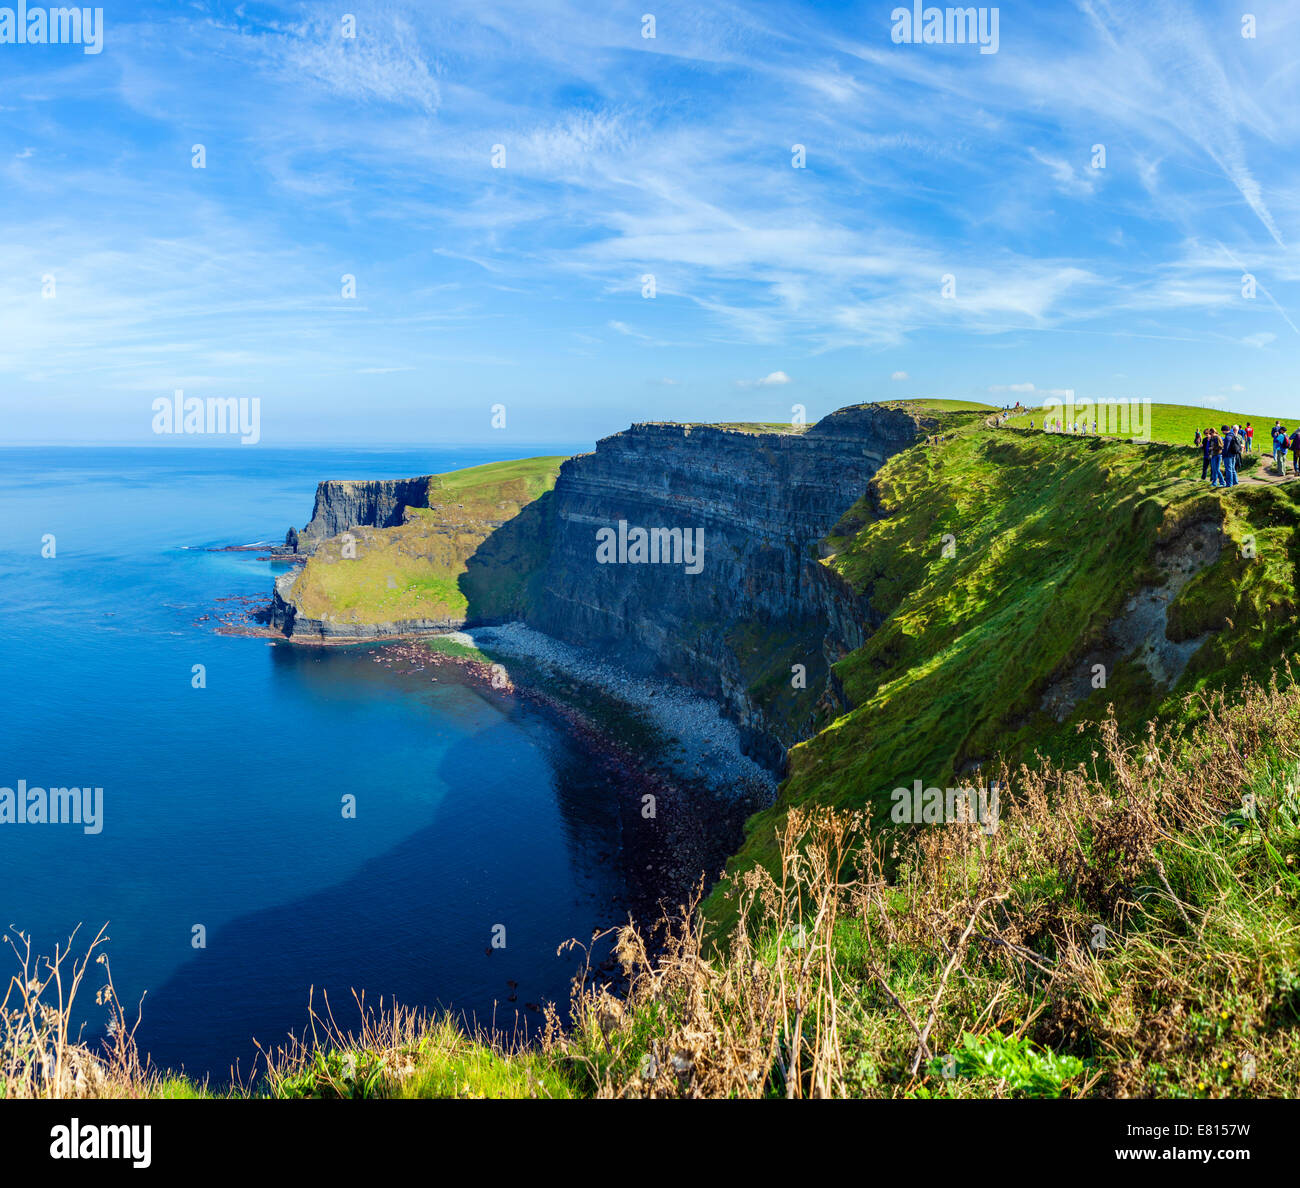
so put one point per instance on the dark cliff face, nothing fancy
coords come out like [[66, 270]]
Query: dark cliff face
[[343, 504], [759, 605]]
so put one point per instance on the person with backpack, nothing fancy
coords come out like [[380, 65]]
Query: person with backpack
[[1203, 440], [1231, 456], [1279, 448], [1295, 452], [1250, 437]]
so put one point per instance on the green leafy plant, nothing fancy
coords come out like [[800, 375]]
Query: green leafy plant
[[1023, 1069], [335, 1074]]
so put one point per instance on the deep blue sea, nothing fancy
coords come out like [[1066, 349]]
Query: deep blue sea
[[222, 806]]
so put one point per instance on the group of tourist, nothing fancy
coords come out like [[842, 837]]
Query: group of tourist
[[1282, 442], [1055, 425], [1223, 449]]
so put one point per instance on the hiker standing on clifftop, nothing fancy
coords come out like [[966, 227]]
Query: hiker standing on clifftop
[[1295, 452], [1250, 437], [1216, 459], [1231, 455], [1203, 440], [1279, 448]]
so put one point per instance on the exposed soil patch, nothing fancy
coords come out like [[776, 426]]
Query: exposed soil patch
[[1139, 635]]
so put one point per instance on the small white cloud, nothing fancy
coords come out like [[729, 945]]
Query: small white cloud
[[1258, 340], [899, 375], [768, 381]]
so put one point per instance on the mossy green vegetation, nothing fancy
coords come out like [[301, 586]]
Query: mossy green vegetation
[[766, 655], [406, 1055], [445, 645], [435, 567]]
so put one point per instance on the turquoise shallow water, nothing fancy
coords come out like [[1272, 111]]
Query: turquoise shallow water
[[222, 806]]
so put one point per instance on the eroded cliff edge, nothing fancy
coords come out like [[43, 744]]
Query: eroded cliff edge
[[757, 626]]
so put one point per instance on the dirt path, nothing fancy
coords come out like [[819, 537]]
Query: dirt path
[[1264, 476]]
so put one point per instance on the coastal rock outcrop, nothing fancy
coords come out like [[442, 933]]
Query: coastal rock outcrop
[[344, 504]]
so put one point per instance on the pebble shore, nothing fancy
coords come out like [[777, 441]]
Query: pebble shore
[[708, 744]]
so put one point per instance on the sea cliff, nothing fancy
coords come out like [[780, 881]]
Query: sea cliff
[[756, 625]]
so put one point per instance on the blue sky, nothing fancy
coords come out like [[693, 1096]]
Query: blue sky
[[627, 156]]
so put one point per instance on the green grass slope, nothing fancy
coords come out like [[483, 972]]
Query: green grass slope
[[997, 564], [1177, 423], [430, 568]]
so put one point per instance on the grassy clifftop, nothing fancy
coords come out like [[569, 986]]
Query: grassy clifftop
[[422, 570], [1023, 583]]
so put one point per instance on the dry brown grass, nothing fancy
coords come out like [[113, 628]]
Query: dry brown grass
[[1112, 914], [700, 1025], [39, 1055]]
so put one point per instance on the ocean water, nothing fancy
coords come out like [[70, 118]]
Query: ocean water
[[223, 805]]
